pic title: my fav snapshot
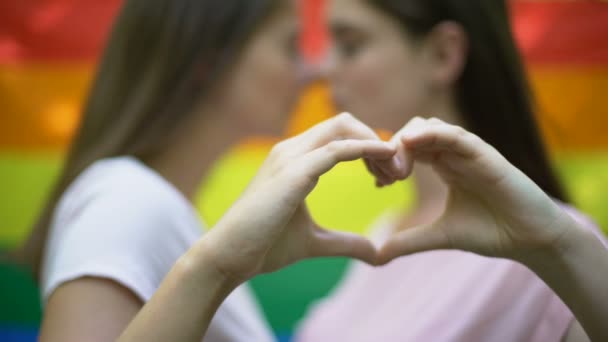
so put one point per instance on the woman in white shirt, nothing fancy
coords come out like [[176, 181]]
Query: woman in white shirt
[[179, 83]]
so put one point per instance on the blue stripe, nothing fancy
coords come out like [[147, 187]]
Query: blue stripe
[[18, 334]]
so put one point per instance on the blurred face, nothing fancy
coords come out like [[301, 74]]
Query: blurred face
[[263, 85], [377, 71]]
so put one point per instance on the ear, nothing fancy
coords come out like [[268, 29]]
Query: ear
[[447, 48]]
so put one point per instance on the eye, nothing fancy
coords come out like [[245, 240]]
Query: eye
[[348, 42], [349, 48], [289, 45]]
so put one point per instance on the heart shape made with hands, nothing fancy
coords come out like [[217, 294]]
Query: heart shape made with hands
[[492, 209], [482, 214], [453, 154], [324, 242]]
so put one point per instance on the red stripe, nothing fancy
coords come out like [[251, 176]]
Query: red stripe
[[54, 30], [562, 32], [314, 38], [550, 32]]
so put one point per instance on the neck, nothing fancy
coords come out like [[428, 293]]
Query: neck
[[193, 151]]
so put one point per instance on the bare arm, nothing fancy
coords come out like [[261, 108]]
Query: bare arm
[[576, 333], [183, 306], [577, 272], [96, 309], [88, 309]]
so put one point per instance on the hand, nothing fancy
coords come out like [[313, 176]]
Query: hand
[[269, 227], [493, 209]]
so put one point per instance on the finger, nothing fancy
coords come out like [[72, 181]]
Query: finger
[[331, 243], [442, 137], [389, 170], [412, 240], [341, 127], [397, 168], [370, 168], [435, 122], [426, 157], [414, 123], [321, 160], [400, 167], [380, 175], [465, 158], [373, 170], [384, 178]]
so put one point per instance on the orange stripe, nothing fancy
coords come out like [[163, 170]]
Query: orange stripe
[[313, 107], [572, 106], [41, 104]]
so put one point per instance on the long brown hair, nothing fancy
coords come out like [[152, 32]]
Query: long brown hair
[[161, 58], [493, 94]]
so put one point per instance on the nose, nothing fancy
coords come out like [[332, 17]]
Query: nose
[[309, 71], [322, 69], [328, 64]]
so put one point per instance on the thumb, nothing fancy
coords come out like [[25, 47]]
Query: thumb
[[413, 240], [332, 243]]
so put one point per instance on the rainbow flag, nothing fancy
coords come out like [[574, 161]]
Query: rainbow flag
[[49, 51]]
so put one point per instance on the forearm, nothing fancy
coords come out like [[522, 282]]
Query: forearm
[[578, 272], [185, 303]]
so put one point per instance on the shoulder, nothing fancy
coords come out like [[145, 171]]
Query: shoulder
[[122, 179], [118, 220], [120, 193]]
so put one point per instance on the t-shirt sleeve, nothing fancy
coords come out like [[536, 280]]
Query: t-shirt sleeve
[[130, 237]]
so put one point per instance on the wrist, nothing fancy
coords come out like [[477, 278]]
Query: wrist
[[563, 251], [204, 263]]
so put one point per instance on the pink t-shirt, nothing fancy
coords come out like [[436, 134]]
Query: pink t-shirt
[[441, 296]]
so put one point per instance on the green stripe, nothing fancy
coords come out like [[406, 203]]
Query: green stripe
[[286, 295], [19, 304]]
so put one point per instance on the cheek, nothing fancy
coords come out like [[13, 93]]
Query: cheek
[[274, 84], [376, 87], [266, 91], [370, 75], [276, 77]]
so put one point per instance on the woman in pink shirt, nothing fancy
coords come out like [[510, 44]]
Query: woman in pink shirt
[[455, 60]]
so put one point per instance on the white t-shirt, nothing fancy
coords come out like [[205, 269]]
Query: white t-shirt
[[120, 220]]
